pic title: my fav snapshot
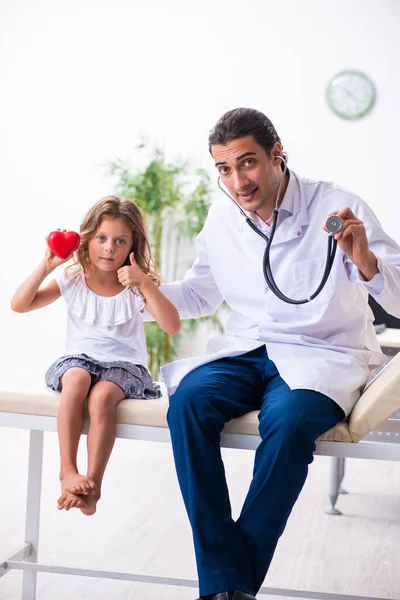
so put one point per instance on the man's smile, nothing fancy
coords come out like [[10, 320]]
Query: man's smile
[[248, 195]]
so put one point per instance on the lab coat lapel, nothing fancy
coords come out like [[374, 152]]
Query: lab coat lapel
[[292, 227], [289, 229]]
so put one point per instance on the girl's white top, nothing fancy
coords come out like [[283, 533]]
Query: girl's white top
[[104, 328]]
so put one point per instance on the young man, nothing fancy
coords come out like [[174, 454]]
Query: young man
[[302, 366]]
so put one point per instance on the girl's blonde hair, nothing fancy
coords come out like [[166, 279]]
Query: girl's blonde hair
[[113, 207]]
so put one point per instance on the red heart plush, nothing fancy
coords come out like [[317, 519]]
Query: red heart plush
[[63, 243]]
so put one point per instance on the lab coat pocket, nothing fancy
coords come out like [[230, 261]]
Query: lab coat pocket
[[307, 275]]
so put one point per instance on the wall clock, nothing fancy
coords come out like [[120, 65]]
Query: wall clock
[[350, 94]]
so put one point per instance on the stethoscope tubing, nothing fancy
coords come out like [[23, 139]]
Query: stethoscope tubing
[[267, 271]]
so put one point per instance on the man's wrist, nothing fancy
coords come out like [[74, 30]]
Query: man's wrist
[[368, 267]]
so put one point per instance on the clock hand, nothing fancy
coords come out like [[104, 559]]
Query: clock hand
[[348, 92]]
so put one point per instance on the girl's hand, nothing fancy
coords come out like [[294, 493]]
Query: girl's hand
[[131, 275]]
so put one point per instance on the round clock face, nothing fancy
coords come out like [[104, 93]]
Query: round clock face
[[350, 94]]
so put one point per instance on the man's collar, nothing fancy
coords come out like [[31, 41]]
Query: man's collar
[[287, 203]]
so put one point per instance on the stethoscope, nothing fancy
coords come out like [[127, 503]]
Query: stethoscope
[[333, 225]]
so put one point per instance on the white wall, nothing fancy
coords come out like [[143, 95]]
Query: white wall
[[80, 80]]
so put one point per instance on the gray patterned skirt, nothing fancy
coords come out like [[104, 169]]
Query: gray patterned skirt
[[135, 380]]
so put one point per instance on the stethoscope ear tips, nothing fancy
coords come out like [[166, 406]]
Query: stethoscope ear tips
[[334, 224]]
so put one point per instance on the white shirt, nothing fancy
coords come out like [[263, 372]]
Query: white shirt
[[327, 345], [105, 328]]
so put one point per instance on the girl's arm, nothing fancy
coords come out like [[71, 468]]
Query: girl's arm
[[28, 296], [197, 294], [163, 311]]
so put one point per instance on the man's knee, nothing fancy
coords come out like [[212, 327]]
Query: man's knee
[[285, 425], [303, 419]]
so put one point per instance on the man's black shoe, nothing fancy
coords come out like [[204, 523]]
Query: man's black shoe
[[234, 595], [219, 596], [242, 596]]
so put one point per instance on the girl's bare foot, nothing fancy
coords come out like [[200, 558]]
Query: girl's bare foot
[[89, 504], [68, 500], [77, 484]]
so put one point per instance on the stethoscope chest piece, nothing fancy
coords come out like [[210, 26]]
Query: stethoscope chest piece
[[334, 224]]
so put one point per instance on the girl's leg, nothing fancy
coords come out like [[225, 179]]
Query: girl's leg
[[75, 386], [103, 398]]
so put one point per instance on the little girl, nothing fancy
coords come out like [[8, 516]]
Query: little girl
[[106, 289]]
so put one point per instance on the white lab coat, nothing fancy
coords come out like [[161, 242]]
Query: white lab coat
[[327, 345]]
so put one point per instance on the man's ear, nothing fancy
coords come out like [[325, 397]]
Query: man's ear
[[276, 150]]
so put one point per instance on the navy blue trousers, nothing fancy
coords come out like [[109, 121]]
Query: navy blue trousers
[[235, 555]]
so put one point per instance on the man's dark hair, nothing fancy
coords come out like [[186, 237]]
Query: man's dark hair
[[240, 122]]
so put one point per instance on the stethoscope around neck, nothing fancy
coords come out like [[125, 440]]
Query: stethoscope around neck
[[333, 224]]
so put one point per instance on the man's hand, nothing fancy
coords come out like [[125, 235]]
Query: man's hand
[[131, 275], [352, 240]]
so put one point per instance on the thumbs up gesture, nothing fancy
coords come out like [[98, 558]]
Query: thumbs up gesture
[[131, 275]]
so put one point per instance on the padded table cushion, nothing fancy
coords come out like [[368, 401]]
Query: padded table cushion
[[379, 401]]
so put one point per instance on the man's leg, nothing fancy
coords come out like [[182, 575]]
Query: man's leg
[[290, 422], [205, 400]]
